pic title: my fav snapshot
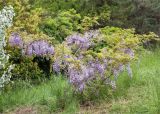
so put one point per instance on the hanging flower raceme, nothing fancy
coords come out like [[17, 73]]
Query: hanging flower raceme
[[79, 77], [80, 41], [39, 48], [56, 67], [15, 40]]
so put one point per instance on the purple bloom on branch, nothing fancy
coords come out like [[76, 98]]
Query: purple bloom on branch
[[56, 67], [15, 40], [40, 48], [129, 52]]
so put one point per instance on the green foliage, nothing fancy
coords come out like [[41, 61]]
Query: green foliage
[[88, 23], [54, 5], [62, 25], [26, 19], [26, 68]]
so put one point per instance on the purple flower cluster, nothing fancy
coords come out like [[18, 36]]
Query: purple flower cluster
[[99, 67], [78, 41], [82, 41], [39, 48], [15, 40], [129, 52], [56, 67], [80, 77], [117, 70]]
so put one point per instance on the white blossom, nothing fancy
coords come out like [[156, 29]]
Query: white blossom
[[6, 17]]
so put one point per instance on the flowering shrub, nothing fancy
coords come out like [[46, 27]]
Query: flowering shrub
[[39, 48], [97, 55], [6, 16], [32, 58]]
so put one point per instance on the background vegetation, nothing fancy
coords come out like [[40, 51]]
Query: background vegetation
[[79, 36]]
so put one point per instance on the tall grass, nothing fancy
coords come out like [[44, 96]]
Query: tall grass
[[56, 95], [140, 95]]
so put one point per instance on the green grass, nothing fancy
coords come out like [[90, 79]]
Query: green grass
[[55, 96], [141, 95]]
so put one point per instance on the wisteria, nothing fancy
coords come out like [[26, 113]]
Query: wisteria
[[129, 52], [118, 70], [79, 41], [80, 59], [39, 48], [90, 69], [15, 40], [56, 67], [6, 17], [80, 77], [82, 64], [82, 41]]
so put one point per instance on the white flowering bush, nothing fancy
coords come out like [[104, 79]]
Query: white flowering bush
[[6, 17]]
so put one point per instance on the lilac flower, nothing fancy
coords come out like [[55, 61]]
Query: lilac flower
[[39, 48], [91, 34], [80, 77], [56, 67], [81, 87], [129, 52], [15, 40], [98, 66], [118, 70], [79, 41]]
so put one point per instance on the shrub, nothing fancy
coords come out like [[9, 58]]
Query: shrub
[[98, 55], [26, 18], [62, 24], [32, 59]]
